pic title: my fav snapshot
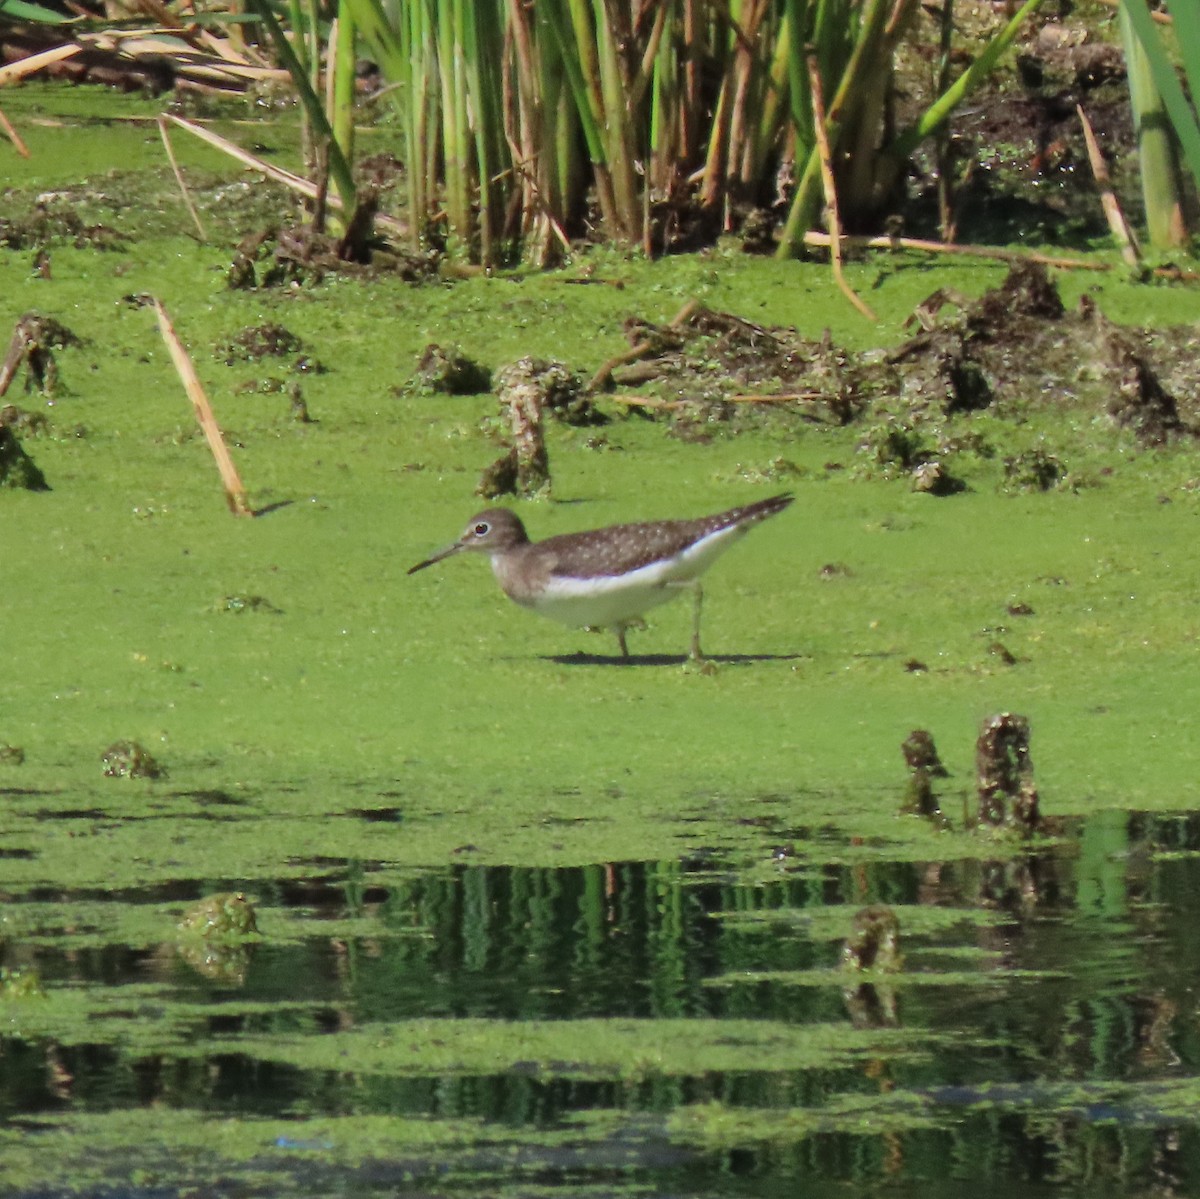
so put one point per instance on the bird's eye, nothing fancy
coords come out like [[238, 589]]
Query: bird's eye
[[482, 529]]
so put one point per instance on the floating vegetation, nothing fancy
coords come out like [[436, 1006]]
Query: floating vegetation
[[239, 604]]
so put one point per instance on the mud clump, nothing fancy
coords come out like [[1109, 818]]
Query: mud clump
[[302, 256], [256, 342], [129, 760], [725, 371], [1140, 401], [1033, 470], [57, 222], [446, 370], [1013, 352]]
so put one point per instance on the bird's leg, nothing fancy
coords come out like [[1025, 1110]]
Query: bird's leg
[[620, 632], [696, 654]]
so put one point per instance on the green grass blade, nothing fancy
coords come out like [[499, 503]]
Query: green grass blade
[[983, 65], [1183, 118], [1186, 16], [339, 168], [21, 10]]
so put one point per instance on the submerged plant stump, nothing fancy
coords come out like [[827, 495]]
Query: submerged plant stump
[[1008, 796], [34, 340], [526, 388], [921, 757]]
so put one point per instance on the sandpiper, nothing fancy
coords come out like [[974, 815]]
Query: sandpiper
[[607, 578]]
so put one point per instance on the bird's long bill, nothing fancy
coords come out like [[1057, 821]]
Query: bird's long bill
[[450, 549]]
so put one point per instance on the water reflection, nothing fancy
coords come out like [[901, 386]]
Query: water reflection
[[1051, 997]]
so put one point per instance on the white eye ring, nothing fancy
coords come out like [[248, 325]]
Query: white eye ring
[[482, 529]]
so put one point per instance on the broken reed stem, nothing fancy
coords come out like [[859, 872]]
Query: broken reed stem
[[13, 359], [1117, 224], [35, 62], [183, 187], [13, 135], [305, 188], [827, 180], [815, 238], [788, 397], [235, 492]]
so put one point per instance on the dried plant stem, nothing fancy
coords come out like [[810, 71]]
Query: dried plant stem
[[183, 188], [13, 135], [235, 492], [815, 238], [1108, 199], [831, 209], [35, 62], [654, 402], [296, 183]]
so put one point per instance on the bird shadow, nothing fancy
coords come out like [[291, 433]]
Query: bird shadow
[[581, 659]]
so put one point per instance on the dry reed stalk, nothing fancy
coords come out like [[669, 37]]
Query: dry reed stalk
[[827, 180], [187, 196], [783, 397], [35, 62], [235, 492], [1117, 224], [297, 184], [815, 238], [13, 135], [648, 402]]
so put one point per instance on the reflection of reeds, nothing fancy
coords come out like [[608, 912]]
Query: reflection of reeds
[[235, 492]]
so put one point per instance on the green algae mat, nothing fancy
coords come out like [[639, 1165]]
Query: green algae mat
[[521, 918]]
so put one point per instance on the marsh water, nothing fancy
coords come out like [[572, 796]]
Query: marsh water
[[629, 1027], [432, 897]]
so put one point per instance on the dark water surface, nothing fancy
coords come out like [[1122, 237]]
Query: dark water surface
[[678, 1028]]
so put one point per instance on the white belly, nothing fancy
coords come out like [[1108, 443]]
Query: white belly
[[612, 601], [604, 603]]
